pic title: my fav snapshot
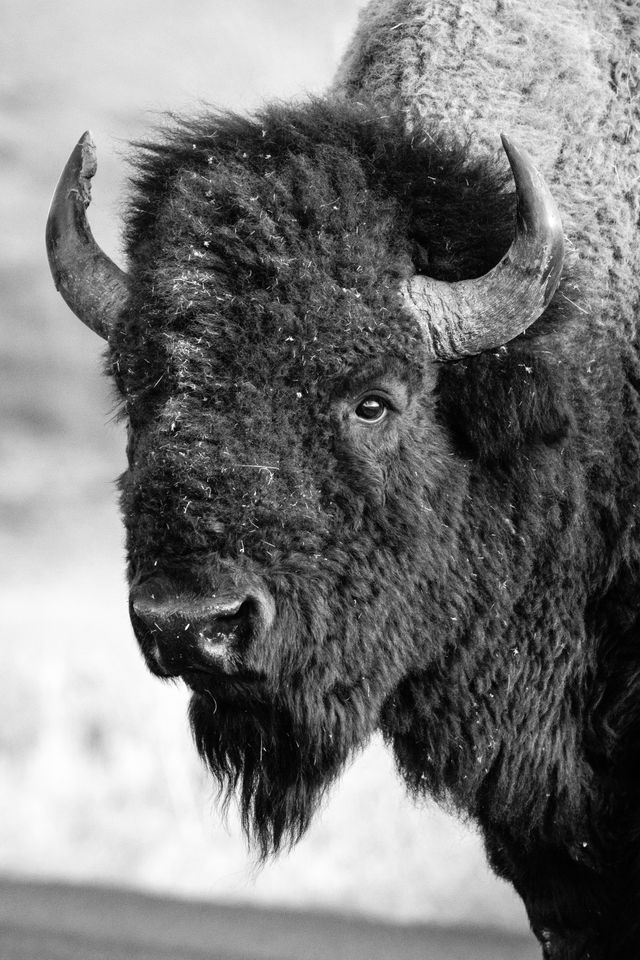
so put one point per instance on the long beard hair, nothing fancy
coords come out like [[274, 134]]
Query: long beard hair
[[276, 759]]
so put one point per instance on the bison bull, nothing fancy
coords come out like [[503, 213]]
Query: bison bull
[[383, 473]]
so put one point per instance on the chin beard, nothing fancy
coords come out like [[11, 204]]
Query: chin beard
[[278, 764]]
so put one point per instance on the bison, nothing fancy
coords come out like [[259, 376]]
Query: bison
[[384, 439]]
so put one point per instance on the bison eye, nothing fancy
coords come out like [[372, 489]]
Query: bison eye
[[372, 409]]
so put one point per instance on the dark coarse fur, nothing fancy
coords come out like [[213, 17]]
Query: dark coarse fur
[[465, 576]]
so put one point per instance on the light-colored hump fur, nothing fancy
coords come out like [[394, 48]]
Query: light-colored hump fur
[[562, 77]]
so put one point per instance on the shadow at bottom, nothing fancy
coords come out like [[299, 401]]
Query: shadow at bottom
[[55, 921]]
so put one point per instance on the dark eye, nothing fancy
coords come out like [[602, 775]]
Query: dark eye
[[371, 409]]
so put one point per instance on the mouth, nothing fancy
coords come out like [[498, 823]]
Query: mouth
[[223, 685]]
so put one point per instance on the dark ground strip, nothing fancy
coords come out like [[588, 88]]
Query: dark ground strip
[[49, 921]]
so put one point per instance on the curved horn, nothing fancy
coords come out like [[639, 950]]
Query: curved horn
[[465, 317], [92, 285]]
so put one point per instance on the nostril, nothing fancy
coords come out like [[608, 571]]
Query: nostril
[[178, 631], [233, 624]]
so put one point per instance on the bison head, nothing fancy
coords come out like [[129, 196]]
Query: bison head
[[292, 494]]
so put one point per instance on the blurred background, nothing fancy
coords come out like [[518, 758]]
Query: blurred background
[[100, 782]]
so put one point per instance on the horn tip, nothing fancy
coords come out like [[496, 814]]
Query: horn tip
[[514, 153], [88, 156]]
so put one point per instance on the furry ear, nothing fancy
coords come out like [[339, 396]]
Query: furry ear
[[497, 403]]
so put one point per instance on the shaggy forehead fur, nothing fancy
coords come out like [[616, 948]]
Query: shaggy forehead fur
[[279, 243]]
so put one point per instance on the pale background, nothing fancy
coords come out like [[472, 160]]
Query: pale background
[[99, 780]]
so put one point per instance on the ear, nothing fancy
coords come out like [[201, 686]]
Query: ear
[[498, 403]]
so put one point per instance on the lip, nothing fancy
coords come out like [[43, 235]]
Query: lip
[[203, 680]]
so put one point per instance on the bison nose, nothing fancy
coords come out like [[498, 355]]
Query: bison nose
[[179, 634]]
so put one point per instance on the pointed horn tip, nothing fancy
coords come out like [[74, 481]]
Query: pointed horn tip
[[531, 188], [517, 157], [75, 180], [88, 156], [506, 143], [81, 165]]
